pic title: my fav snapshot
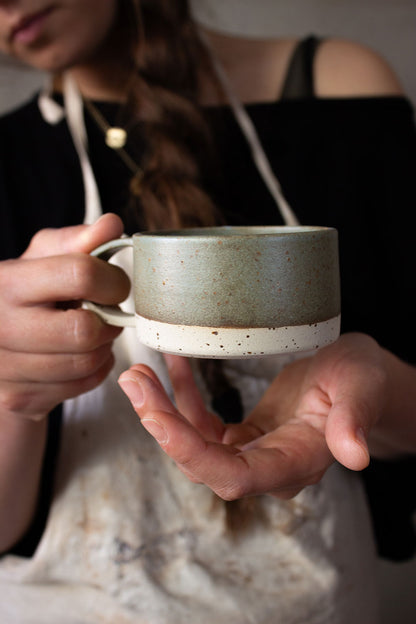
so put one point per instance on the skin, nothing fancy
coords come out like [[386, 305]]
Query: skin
[[316, 411], [55, 46], [51, 352], [48, 353]]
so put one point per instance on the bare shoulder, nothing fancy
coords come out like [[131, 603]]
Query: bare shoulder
[[344, 68]]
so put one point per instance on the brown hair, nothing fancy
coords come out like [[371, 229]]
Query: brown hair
[[169, 60]]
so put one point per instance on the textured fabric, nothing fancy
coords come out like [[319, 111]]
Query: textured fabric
[[130, 539]]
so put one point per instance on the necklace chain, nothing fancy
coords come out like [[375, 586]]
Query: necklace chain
[[116, 138]]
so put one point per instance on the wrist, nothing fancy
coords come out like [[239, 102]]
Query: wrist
[[16, 425]]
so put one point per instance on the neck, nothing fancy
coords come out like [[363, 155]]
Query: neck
[[255, 67], [106, 74], [106, 80]]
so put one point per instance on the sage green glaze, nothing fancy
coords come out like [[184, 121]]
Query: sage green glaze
[[238, 276]]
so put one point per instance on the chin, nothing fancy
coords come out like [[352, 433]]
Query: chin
[[47, 61]]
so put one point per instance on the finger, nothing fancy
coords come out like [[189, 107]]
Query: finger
[[286, 494], [156, 396], [352, 376], [240, 434], [52, 368], [63, 278], [199, 459], [227, 471], [37, 399], [149, 372], [276, 406], [187, 395], [189, 400], [302, 454], [349, 423], [55, 331], [78, 238]]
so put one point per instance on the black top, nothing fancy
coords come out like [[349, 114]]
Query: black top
[[348, 163]]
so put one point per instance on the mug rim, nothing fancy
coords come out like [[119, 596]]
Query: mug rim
[[233, 231]]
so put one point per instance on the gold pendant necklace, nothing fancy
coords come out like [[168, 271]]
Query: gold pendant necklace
[[116, 138]]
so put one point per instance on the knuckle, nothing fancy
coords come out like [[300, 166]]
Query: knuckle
[[84, 328], [39, 242], [4, 334], [95, 379], [314, 479], [85, 364], [13, 400], [5, 272], [83, 275], [37, 239], [9, 331]]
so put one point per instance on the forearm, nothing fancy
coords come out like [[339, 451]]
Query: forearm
[[395, 432], [22, 446]]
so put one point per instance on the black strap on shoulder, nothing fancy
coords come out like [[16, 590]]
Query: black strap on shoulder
[[299, 81]]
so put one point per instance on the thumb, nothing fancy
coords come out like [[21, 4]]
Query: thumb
[[356, 407], [353, 377], [74, 239], [346, 434]]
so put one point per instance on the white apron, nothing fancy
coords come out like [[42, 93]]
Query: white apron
[[130, 540]]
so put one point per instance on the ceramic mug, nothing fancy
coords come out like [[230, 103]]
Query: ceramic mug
[[231, 291]]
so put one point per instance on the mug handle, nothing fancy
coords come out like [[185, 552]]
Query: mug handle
[[112, 315]]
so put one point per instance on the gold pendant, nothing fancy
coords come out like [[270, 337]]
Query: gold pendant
[[116, 138]]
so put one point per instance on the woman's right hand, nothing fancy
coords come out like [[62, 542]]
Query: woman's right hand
[[50, 348]]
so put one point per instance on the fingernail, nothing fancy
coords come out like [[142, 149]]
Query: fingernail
[[155, 429], [133, 389]]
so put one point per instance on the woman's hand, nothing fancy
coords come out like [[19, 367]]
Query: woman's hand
[[317, 410], [50, 348]]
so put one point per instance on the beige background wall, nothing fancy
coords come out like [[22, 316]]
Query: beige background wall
[[387, 25], [16, 83]]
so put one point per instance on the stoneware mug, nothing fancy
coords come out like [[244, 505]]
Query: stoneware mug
[[231, 292]]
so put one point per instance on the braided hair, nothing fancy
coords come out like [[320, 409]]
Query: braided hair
[[168, 60]]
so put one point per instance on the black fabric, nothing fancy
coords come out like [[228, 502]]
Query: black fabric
[[299, 81], [392, 497], [346, 163], [26, 546]]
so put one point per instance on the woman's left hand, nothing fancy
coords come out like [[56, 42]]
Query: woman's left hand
[[317, 410]]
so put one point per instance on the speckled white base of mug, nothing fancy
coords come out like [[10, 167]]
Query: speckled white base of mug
[[231, 342]]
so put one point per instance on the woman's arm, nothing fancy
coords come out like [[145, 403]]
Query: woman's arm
[[48, 352], [22, 444]]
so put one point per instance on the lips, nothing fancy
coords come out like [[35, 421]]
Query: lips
[[29, 26]]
